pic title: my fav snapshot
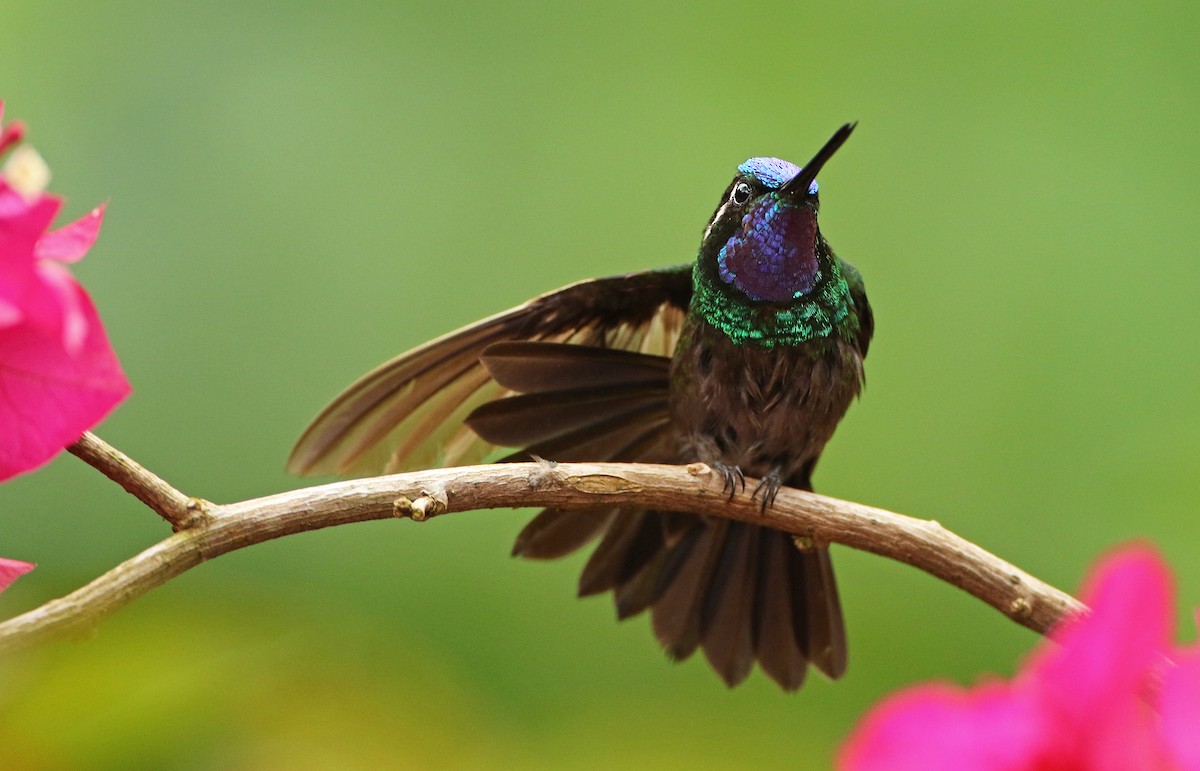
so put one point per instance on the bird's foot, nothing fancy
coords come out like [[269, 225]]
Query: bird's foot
[[732, 476], [768, 488]]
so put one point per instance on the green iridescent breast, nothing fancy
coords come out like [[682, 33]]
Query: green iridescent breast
[[827, 311]]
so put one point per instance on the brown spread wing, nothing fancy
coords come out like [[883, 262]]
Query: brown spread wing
[[409, 412]]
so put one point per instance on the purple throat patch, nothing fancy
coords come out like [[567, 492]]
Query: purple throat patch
[[772, 257]]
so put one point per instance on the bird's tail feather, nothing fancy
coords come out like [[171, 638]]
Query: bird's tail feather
[[741, 592]]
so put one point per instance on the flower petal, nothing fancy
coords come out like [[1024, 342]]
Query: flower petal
[[1085, 703], [68, 314], [22, 223], [1106, 655], [1179, 704], [10, 134], [10, 313], [50, 396], [1093, 685], [941, 726], [11, 570], [70, 242]]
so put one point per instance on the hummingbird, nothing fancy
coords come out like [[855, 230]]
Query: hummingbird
[[745, 359]]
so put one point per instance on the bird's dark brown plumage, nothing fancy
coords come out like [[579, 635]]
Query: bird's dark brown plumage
[[746, 360]]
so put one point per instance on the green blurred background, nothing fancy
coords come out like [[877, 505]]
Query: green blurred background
[[299, 191]]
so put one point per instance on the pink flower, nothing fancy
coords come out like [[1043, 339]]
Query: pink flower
[[58, 373], [1179, 704], [11, 570], [10, 134], [1109, 693]]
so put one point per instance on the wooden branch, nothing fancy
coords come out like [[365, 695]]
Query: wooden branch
[[165, 500], [211, 530]]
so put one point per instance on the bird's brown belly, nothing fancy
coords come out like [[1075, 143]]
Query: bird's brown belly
[[759, 409]]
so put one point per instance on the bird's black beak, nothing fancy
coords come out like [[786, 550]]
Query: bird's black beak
[[798, 185]]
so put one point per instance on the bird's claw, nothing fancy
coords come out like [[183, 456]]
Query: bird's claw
[[769, 487], [732, 476]]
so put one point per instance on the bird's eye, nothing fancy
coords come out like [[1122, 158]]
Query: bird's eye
[[741, 193]]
